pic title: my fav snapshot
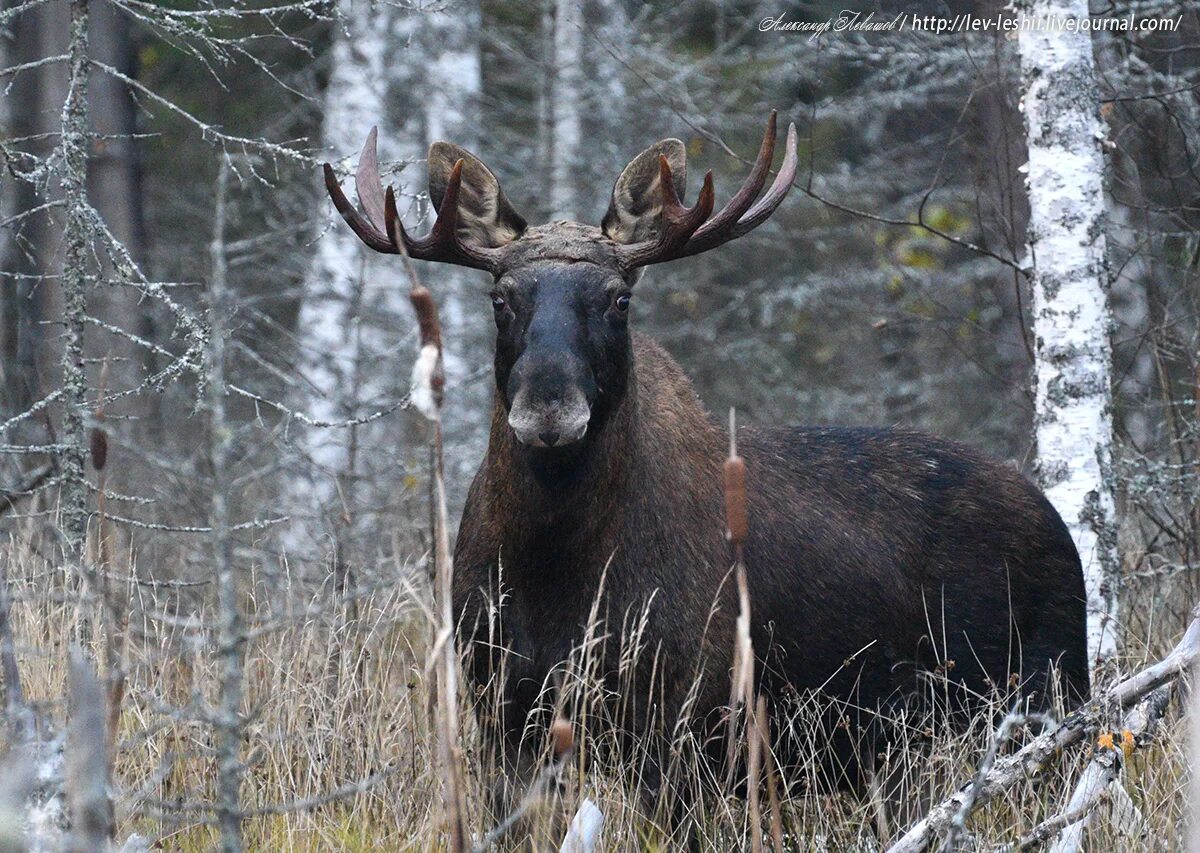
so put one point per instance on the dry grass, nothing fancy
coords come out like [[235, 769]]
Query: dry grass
[[356, 723]]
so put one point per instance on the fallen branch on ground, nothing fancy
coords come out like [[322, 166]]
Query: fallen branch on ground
[[1032, 759], [1101, 777]]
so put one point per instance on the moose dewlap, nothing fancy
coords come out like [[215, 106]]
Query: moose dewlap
[[888, 570]]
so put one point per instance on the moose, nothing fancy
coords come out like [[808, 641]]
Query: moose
[[875, 556]]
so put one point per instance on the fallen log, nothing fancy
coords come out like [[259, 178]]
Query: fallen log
[[1039, 753], [1100, 780]]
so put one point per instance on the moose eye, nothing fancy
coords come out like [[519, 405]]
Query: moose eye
[[498, 302], [622, 302]]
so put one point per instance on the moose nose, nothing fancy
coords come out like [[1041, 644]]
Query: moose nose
[[548, 438]]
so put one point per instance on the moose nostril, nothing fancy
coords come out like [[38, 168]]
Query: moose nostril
[[548, 438]]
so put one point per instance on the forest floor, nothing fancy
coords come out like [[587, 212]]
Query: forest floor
[[340, 753]]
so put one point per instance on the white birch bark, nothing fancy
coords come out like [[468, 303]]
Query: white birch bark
[[606, 110], [331, 321], [565, 94], [354, 102], [1073, 418], [416, 75], [453, 85]]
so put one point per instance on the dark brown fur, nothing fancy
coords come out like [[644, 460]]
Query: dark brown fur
[[874, 557], [859, 539]]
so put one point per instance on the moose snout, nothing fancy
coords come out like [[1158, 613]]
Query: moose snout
[[550, 424], [550, 406]]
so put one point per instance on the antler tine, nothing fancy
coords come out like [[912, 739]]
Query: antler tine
[[780, 187], [710, 233], [368, 183], [686, 231], [760, 211], [442, 243], [445, 228], [679, 222], [392, 223], [358, 223]]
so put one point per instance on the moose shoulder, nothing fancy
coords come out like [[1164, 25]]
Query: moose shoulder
[[875, 556]]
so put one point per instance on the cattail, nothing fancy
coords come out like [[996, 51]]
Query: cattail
[[768, 758], [562, 737], [427, 316], [99, 448], [735, 490]]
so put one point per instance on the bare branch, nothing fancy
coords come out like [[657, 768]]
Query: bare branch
[[1032, 759]]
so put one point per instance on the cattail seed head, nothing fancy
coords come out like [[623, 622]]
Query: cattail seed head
[[562, 737], [736, 521], [427, 316], [99, 448]]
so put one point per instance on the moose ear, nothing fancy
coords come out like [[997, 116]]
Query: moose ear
[[635, 213], [485, 216]]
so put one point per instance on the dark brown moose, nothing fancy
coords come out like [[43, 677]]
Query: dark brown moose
[[879, 560]]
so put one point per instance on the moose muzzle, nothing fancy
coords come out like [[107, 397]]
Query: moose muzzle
[[551, 405]]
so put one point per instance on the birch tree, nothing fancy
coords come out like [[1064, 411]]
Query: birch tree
[[1073, 420], [565, 125], [451, 93], [354, 102], [416, 76]]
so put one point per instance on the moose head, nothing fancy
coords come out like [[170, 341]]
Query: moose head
[[561, 291]]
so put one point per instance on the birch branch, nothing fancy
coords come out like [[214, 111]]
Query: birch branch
[[1102, 773], [1012, 721], [1031, 760]]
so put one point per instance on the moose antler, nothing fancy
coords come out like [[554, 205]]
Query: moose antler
[[685, 230], [381, 228]]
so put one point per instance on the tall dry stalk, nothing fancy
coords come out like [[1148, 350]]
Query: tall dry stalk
[[1193, 713], [742, 698], [428, 391], [736, 527], [763, 730]]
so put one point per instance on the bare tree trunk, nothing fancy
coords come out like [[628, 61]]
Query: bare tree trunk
[[115, 189], [19, 329], [451, 45], [331, 314], [428, 62], [75, 284], [231, 638], [354, 102], [1070, 301], [565, 116], [41, 32], [605, 102], [32, 346]]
